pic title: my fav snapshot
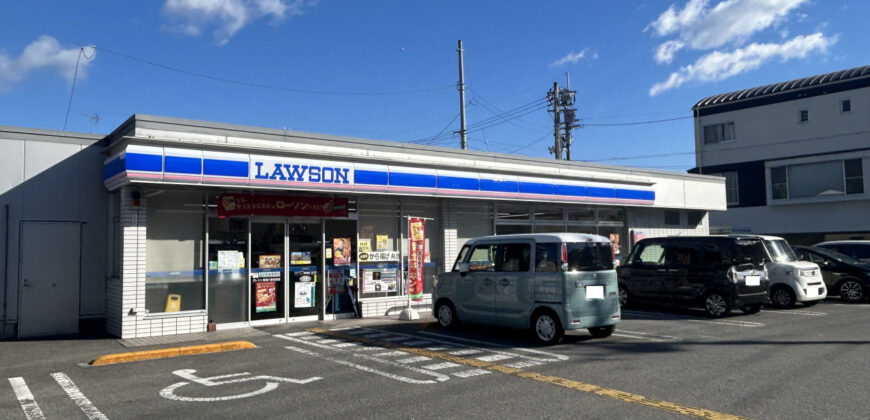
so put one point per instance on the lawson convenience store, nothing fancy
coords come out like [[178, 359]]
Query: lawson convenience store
[[226, 225]]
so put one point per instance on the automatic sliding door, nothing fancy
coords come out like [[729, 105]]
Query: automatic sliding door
[[267, 270], [305, 269]]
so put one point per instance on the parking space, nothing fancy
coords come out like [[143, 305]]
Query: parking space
[[805, 362]]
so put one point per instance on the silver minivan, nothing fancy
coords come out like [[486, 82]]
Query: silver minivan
[[548, 282]]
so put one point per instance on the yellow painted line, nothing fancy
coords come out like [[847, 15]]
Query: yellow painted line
[[554, 380], [109, 359]]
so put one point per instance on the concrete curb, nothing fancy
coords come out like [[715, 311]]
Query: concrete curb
[[108, 359]]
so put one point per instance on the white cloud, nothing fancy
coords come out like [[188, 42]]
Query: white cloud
[[44, 52], [667, 50], [717, 65], [228, 17], [572, 58], [700, 26]]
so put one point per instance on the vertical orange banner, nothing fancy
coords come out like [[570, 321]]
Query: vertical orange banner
[[416, 255]]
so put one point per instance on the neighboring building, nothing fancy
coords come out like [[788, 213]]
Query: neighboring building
[[167, 225], [795, 155]]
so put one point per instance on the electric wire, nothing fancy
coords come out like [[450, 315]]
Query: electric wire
[[622, 124], [266, 86]]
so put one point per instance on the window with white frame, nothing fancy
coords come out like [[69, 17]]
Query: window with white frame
[[732, 195], [818, 179], [716, 133]]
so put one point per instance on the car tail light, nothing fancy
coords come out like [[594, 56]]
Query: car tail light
[[564, 257]]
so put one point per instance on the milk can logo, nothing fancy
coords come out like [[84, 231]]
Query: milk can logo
[[312, 173]]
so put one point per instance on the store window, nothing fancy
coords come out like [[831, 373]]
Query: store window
[[433, 258], [174, 279], [227, 270], [513, 213], [378, 227], [548, 214], [512, 229], [611, 215], [672, 218], [583, 214], [341, 258]]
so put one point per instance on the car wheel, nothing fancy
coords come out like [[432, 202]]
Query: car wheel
[[446, 315], [548, 330], [623, 296], [851, 291], [751, 309], [716, 305], [782, 297], [601, 332]]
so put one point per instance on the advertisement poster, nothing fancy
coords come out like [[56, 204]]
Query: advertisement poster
[[379, 280], [305, 276], [341, 251], [229, 260], [336, 282], [303, 296], [267, 296], [270, 261], [636, 236], [365, 249], [300, 258], [416, 254], [614, 242], [382, 242]]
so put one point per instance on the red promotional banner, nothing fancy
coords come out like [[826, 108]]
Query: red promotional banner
[[230, 205], [267, 296], [416, 256]]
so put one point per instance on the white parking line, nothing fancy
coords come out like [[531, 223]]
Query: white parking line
[[439, 366], [470, 373], [553, 356], [25, 398], [646, 336], [414, 359], [366, 368], [641, 315], [494, 357], [73, 391], [793, 312], [464, 352]]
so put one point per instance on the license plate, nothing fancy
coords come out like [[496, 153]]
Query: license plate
[[594, 292], [812, 291], [753, 280]]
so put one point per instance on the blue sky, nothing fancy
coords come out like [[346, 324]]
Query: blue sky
[[387, 69]]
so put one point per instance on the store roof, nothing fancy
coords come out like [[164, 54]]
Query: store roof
[[822, 84], [231, 132]]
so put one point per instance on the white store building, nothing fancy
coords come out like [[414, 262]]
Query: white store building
[[167, 225]]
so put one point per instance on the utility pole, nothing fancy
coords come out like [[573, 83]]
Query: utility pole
[[462, 131], [569, 120], [554, 98]]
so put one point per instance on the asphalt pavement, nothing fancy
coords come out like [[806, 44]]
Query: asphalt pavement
[[661, 363]]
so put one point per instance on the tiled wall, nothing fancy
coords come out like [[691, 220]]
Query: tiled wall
[[391, 306], [651, 221], [125, 297]]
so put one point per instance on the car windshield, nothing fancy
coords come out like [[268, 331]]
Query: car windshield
[[779, 250], [589, 256], [843, 258]]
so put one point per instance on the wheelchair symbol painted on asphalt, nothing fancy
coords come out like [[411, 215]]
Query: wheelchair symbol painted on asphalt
[[271, 383]]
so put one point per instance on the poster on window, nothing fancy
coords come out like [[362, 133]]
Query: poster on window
[[300, 258], [336, 281], [303, 296], [306, 276], [416, 255], [269, 261], [379, 280], [267, 296], [382, 242], [614, 242], [341, 251], [230, 260]]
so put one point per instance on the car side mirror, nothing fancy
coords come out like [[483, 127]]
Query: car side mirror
[[463, 268]]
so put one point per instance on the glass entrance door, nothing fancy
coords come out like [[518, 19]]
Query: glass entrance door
[[267, 270], [306, 268], [227, 273]]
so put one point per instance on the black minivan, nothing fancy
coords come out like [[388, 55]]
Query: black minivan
[[716, 273]]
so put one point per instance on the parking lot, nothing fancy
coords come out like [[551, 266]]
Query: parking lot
[[660, 363]]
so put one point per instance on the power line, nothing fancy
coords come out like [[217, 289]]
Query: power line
[[265, 86], [723, 149], [540, 139], [424, 139], [489, 106], [75, 76], [637, 122], [486, 123]]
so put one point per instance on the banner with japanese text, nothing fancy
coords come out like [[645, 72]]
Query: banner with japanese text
[[231, 205], [416, 256]]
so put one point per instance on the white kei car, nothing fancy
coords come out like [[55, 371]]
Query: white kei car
[[791, 280]]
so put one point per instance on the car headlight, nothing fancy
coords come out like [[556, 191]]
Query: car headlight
[[809, 272]]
